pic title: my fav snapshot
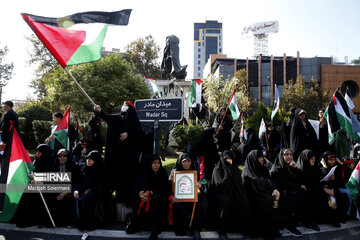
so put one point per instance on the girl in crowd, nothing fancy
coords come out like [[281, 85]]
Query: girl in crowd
[[64, 208], [182, 211], [150, 207], [228, 198], [311, 178], [333, 187], [289, 181], [88, 191], [263, 195]]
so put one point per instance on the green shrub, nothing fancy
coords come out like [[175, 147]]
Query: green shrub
[[184, 135], [42, 130], [31, 113]]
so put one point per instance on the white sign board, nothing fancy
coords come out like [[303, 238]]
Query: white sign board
[[259, 28]]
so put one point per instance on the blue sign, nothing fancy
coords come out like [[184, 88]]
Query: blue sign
[[163, 110]]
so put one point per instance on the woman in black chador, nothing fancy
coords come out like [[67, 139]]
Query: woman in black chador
[[288, 179], [64, 208], [88, 191], [223, 129], [205, 148], [262, 195], [311, 175], [152, 193], [31, 209], [122, 150], [253, 143], [182, 211], [302, 135], [270, 140], [94, 134], [228, 198]]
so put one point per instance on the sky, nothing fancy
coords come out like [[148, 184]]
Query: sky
[[321, 28]]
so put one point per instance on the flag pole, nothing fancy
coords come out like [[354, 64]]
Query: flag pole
[[47, 209], [227, 108], [79, 86]]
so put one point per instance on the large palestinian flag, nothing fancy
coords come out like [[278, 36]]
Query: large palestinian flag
[[14, 173], [62, 131], [338, 117], [71, 39]]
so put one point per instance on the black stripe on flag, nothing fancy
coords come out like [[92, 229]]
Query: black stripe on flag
[[117, 18], [341, 100]]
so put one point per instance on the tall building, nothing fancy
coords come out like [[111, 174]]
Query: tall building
[[208, 40]]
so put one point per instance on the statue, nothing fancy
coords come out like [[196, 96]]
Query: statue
[[171, 58]]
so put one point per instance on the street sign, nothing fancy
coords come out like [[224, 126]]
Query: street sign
[[163, 110]]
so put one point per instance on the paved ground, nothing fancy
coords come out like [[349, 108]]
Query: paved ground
[[350, 230]]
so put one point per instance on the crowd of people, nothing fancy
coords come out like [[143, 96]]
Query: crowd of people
[[272, 182]]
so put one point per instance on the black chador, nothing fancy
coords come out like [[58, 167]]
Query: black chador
[[122, 153], [302, 135], [228, 197], [260, 190]]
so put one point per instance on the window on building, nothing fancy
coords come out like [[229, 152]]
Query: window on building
[[198, 49], [219, 49], [198, 74], [199, 68], [199, 62], [199, 43], [198, 55], [203, 43]]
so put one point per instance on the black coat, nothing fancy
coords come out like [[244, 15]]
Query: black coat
[[259, 187], [10, 115], [302, 137]]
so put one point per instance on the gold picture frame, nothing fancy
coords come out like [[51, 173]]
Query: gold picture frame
[[184, 186]]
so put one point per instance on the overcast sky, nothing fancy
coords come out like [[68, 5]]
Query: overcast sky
[[313, 27]]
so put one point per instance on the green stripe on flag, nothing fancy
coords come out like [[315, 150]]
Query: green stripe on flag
[[62, 137], [90, 52], [14, 191]]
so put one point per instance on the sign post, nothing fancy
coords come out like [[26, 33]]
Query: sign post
[[159, 110]]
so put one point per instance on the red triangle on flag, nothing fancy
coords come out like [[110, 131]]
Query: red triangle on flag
[[64, 123], [61, 42]]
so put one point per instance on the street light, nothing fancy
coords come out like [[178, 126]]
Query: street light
[[269, 86]]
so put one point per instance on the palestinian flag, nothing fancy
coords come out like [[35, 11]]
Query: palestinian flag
[[338, 117], [243, 136], [276, 103], [195, 94], [153, 86], [262, 128], [62, 131], [70, 39], [353, 184], [15, 169], [233, 106], [78, 130]]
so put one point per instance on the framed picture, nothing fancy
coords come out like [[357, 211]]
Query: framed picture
[[184, 186]]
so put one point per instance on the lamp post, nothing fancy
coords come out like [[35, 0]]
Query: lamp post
[[268, 78]]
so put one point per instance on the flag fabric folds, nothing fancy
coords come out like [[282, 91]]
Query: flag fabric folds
[[154, 88], [276, 103], [262, 128], [117, 18], [338, 117], [78, 130], [18, 166], [195, 94], [62, 131], [233, 106], [353, 184], [243, 136], [348, 99], [78, 44]]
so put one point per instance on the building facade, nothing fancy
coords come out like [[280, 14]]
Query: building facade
[[266, 71], [208, 39]]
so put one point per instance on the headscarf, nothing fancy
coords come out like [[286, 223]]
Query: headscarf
[[178, 165], [311, 173], [253, 169], [279, 163], [46, 162]]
